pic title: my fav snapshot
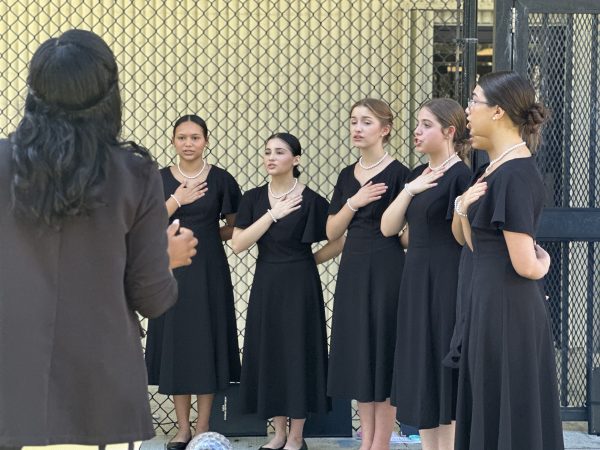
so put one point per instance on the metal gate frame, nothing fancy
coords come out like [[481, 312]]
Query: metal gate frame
[[562, 225]]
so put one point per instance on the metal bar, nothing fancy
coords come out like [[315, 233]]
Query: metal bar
[[562, 7], [564, 325], [568, 112], [503, 39], [520, 40], [470, 63], [593, 113], [569, 224], [458, 74], [592, 203], [566, 203], [573, 414], [542, 156], [469, 49]]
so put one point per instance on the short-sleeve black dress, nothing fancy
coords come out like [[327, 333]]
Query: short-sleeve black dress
[[193, 347], [423, 390], [508, 395], [363, 332], [284, 368]]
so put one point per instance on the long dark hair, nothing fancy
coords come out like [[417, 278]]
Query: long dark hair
[[72, 119], [515, 95], [294, 144]]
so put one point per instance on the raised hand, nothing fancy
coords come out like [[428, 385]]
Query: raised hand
[[188, 192], [367, 194], [473, 194], [425, 181], [285, 206]]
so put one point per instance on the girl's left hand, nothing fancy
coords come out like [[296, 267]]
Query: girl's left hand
[[543, 257]]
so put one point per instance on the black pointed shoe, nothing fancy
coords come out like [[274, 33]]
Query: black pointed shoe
[[177, 445]]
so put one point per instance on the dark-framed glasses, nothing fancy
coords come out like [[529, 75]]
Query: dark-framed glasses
[[471, 102]]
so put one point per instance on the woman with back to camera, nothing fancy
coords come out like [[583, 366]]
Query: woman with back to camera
[[508, 395], [424, 391], [83, 248], [284, 371], [366, 295], [193, 349]]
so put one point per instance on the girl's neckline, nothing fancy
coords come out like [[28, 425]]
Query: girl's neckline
[[370, 179], [520, 158], [266, 189], [209, 168]]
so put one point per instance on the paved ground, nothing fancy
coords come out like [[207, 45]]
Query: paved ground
[[574, 440]]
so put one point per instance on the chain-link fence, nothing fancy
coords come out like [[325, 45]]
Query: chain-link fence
[[251, 68]]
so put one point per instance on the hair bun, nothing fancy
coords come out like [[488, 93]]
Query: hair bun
[[536, 115]]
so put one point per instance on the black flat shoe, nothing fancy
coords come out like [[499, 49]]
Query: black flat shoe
[[268, 448], [177, 445], [304, 446]]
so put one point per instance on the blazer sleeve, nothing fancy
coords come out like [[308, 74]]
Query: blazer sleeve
[[150, 286]]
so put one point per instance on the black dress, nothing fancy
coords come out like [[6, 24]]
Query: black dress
[[366, 294], [508, 396], [463, 294], [463, 304], [193, 347], [423, 390], [284, 368]]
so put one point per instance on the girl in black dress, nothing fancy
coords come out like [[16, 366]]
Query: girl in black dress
[[508, 396], [424, 391], [192, 348], [284, 370], [366, 294]]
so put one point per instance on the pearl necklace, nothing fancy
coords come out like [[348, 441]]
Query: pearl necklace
[[442, 165], [372, 166], [502, 155], [286, 192], [193, 176]]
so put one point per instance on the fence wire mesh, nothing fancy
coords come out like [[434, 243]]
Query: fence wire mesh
[[563, 65], [251, 68]]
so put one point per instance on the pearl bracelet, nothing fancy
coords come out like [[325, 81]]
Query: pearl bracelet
[[457, 203], [272, 215], [176, 201], [350, 206], [408, 190]]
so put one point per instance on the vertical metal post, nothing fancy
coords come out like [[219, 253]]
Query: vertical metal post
[[592, 204], [566, 200], [470, 49], [469, 78], [503, 35]]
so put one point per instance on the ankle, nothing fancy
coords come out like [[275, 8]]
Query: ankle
[[182, 435], [200, 428], [294, 439]]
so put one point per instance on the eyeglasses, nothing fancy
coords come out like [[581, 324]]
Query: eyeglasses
[[472, 102]]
